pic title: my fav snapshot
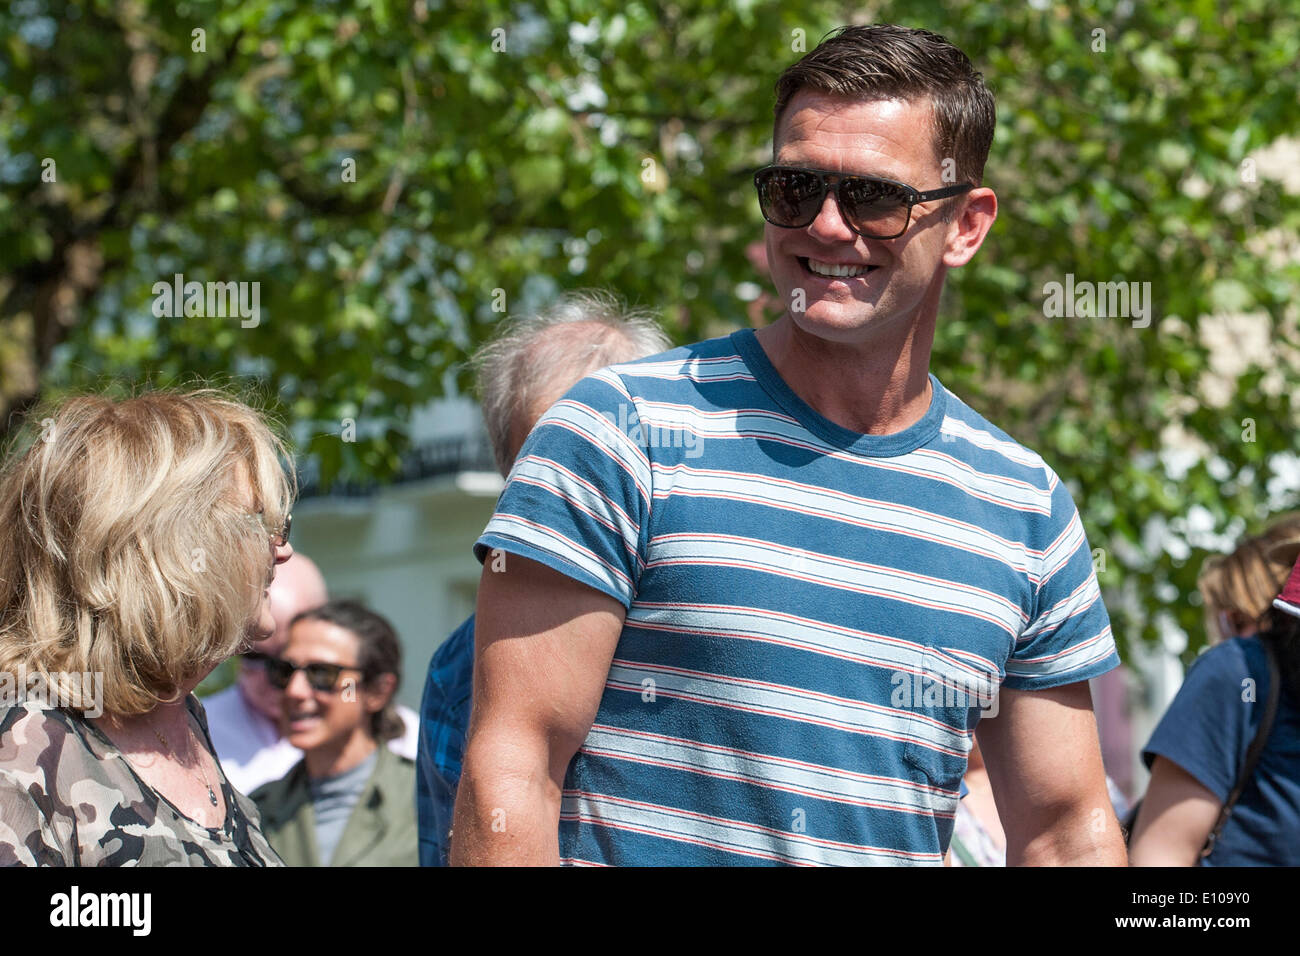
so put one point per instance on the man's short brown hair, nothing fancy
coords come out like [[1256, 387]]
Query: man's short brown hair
[[890, 62]]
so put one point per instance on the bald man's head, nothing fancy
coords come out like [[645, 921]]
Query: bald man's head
[[298, 586]]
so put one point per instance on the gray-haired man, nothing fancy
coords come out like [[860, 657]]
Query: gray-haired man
[[519, 375]]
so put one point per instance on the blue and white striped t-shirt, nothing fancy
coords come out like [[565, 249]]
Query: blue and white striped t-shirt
[[816, 618]]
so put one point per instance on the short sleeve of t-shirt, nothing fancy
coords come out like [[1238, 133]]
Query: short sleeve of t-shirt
[[1213, 717], [1069, 638], [578, 496]]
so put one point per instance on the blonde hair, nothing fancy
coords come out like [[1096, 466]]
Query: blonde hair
[[1246, 580], [126, 543]]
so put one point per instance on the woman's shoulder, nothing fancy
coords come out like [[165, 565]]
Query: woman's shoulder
[[50, 776], [1238, 664], [1221, 688], [394, 767], [277, 801], [1228, 662], [35, 739], [58, 755], [393, 779]]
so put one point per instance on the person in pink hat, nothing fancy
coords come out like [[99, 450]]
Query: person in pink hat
[[1225, 759]]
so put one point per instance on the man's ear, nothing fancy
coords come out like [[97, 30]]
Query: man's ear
[[969, 227]]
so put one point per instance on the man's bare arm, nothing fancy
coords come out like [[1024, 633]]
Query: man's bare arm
[[543, 644], [1044, 762], [1177, 815]]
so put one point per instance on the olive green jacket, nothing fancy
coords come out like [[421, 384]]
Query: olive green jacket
[[381, 830]]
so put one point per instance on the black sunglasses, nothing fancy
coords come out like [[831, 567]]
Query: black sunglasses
[[322, 677], [792, 197]]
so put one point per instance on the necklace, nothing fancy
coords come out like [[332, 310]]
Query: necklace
[[204, 778]]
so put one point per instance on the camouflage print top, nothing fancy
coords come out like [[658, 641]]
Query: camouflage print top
[[69, 798]]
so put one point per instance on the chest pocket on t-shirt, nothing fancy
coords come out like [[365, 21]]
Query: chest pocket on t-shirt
[[945, 702]]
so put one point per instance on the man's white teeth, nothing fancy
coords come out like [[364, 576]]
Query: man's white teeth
[[834, 271]]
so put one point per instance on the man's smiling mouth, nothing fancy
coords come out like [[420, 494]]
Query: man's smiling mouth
[[831, 270]]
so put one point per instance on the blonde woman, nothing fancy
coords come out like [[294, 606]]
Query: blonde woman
[[137, 540], [1237, 589], [1225, 758]]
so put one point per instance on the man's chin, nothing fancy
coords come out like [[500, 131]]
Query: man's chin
[[835, 322], [306, 739]]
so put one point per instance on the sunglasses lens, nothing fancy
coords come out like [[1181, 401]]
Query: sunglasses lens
[[874, 208], [278, 672], [323, 676], [790, 197]]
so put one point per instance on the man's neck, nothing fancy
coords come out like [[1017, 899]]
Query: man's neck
[[873, 387]]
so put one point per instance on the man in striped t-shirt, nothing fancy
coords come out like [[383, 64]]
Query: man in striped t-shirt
[[746, 601]]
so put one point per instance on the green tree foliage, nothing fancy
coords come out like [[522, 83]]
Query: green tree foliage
[[394, 174]]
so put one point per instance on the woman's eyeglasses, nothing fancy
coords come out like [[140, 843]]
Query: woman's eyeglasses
[[322, 677], [279, 536], [792, 197]]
